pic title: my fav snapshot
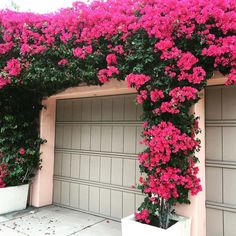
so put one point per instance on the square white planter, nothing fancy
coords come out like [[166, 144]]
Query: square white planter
[[132, 227], [13, 198]]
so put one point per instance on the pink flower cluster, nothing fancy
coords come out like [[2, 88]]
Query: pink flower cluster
[[137, 80], [165, 181], [82, 52], [156, 94], [164, 140], [178, 97], [3, 82], [105, 74], [13, 67], [111, 59], [196, 77], [186, 61], [62, 62], [142, 96], [142, 216]]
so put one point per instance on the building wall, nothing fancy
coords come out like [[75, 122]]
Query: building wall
[[42, 187]]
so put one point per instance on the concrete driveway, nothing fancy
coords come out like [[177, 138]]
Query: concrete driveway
[[53, 220]]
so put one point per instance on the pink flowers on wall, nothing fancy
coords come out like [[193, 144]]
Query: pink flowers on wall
[[166, 50], [13, 67], [137, 80]]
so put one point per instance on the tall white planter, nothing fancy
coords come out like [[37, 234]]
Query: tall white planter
[[13, 198], [132, 227]]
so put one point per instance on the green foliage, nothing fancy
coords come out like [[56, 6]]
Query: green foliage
[[19, 116]]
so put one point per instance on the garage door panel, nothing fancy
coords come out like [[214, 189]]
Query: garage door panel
[[117, 109], [106, 134], [66, 165], [221, 160], [67, 136], [117, 139], [94, 199], [58, 163], [105, 172], [59, 136], [213, 103], [230, 223], [76, 134], [105, 201], [85, 137], [229, 103], [65, 193], [139, 112], [74, 195], [130, 109], [116, 204], [68, 108], [214, 222], [86, 110], [84, 197], [95, 156], [56, 191], [96, 138], [129, 173], [214, 183], [75, 166], [229, 186], [106, 109], [77, 110], [229, 140], [130, 139], [128, 203], [214, 143], [95, 168], [117, 171], [84, 167], [97, 110]]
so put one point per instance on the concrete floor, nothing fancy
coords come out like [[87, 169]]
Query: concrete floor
[[53, 220]]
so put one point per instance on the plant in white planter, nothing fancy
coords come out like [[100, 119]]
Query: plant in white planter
[[180, 227], [19, 148], [169, 177]]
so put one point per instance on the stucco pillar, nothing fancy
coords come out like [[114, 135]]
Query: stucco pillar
[[196, 210], [42, 187]]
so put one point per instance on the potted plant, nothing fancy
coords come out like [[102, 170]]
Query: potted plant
[[19, 148], [169, 177]]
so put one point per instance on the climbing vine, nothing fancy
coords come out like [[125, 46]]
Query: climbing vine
[[165, 49]]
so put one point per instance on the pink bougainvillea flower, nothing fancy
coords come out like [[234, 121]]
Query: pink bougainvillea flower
[[13, 67], [111, 59], [156, 94], [3, 82], [137, 80], [142, 216], [62, 62], [142, 96], [2, 183], [22, 151]]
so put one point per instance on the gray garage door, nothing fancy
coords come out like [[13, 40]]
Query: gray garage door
[[221, 160], [97, 140]]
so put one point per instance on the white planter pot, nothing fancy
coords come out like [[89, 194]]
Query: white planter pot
[[13, 198], [132, 227]]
